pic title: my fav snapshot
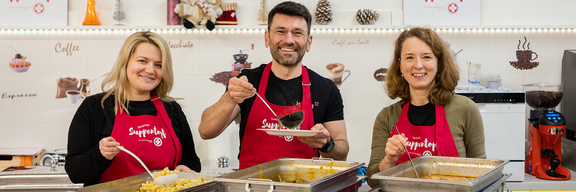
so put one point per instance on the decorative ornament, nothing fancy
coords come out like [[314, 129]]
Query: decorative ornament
[[196, 13], [229, 15], [119, 14], [172, 18], [323, 12], [91, 17], [263, 12], [367, 16]]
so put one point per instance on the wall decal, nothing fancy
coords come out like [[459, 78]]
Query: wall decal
[[71, 87], [380, 74], [524, 56], [180, 44], [336, 72], [12, 96], [237, 66], [69, 48], [19, 63]]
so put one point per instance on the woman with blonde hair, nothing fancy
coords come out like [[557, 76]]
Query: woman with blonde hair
[[432, 120], [135, 112]]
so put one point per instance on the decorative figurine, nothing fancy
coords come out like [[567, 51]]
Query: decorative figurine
[[91, 17]]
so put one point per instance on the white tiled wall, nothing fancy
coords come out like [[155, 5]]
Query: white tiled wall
[[42, 121]]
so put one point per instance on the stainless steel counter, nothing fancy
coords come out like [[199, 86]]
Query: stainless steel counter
[[36, 178], [532, 183]]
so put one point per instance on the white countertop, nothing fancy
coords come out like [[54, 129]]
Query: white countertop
[[532, 183]]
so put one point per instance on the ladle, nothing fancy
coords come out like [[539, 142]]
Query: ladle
[[165, 180], [289, 121], [407, 153]]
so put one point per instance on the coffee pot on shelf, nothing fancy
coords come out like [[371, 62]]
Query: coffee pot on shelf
[[546, 127]]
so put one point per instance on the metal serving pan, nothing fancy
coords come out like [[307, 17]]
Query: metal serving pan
[[133, 183], [497, 186], [402, 178], [318, 174]]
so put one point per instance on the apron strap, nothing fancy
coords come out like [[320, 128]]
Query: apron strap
[[164, 116]]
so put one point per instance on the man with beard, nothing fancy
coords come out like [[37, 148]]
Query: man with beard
[[287, 86]]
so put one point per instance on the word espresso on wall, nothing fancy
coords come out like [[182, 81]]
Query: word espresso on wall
[[12, 96]]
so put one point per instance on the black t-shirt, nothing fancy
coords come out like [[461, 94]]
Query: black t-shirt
[[424, 115], [326, 100]]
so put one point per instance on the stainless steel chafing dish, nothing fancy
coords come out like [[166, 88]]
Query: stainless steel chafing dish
[[133, 183], [317, 175], [402, 178]]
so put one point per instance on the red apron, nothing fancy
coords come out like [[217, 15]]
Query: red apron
[[151, 138], [435, 140], [259, 147]]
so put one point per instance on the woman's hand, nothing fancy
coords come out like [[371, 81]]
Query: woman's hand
[[394, 149], [108, 147], [183, 168]]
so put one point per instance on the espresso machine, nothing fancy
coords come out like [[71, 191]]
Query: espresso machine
[[546, 127]]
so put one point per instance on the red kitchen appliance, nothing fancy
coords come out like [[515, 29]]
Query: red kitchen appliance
[[546, 127]]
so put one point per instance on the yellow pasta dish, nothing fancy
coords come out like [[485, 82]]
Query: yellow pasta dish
[[151, 186]]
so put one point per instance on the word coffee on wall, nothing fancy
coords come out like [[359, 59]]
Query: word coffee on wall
[[67, 48], [442, 12]]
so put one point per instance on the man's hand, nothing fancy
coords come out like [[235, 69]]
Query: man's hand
[[240, 89], [318, 140]]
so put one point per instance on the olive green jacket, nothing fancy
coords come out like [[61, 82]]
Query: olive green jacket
[[463, 118]]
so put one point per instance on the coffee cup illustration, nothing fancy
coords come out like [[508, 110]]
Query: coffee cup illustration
[[75, 95], [336, 72], [525, 55]]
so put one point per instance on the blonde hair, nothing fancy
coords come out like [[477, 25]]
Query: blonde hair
[[446, 79], [116, 81]]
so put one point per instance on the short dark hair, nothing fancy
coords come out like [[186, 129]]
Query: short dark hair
[[291, 8]]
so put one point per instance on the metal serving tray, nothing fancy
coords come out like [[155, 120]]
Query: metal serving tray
[[133, 183], [317, 171], [402, 178], [497, 186]]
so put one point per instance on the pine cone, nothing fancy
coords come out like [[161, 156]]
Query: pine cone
[[367, 16], [323, 12]]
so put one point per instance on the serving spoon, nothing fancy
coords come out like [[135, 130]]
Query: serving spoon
[[289, 121], [407, 153], [165, 180]]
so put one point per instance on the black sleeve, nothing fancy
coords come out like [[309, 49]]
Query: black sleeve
[[180, 123], [335, 108], [84, 162]]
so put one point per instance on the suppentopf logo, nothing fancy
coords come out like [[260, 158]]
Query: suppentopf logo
[[452, 7], [38, 7]]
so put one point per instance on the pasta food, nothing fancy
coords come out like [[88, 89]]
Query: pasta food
[[151, 186]]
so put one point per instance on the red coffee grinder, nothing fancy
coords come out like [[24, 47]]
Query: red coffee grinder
[[546, 127]]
